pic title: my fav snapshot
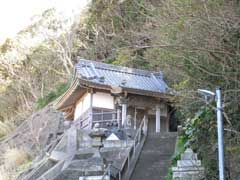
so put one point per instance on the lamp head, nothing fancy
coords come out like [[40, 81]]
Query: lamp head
[[208, 95]]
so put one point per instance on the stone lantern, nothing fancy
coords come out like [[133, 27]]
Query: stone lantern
[[189, 167]]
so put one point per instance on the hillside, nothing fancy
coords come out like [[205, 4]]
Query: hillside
[[36, 132], [194, 43], [36, 136]]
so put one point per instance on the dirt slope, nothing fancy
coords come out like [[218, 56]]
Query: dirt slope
[[36, 133]]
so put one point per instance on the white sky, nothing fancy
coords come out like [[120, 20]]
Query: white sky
[[16, 14]]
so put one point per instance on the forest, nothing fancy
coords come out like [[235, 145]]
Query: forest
[[195, 43]]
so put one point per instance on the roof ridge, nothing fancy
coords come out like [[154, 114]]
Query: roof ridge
[[118, 68]]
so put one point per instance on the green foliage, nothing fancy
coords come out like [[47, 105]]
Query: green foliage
[[60, 89], [24, 166], [202, 129], [180, 148], [195, 43], [32, 63], [5, 128], [109, 28]]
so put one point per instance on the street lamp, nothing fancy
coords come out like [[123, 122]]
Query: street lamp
[[209, 94]]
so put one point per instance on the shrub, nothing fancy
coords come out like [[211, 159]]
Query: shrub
[[180, 147], [4, 174], [15, 157], [14, 161], [5, 128], [60, 89]]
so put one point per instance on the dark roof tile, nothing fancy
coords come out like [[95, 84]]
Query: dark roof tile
[[112, 75]]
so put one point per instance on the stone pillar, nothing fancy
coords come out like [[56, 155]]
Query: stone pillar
[[158, 114], [72, 140], [124, 113], [71, 145], [189, 167]]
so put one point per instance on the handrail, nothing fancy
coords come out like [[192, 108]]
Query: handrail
[[139, 130], [97, 117], [109, 112], [134, 145], [106, 172], [127, 159]]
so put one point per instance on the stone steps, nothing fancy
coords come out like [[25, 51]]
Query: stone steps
[[155, 157]]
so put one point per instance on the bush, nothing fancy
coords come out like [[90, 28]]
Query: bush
[[4, 174], [15, 157], [14, 161], [5, 128], [60, 89], [180, 148]]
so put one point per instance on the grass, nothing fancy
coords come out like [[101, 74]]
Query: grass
[[4, 174], [15, 157], [14, 161], [24, 166], [180, 148], [60, 89], [5, 128]]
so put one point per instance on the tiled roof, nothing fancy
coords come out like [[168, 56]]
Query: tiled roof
[[118, 76]]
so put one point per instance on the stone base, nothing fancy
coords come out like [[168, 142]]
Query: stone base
[[190, 175]]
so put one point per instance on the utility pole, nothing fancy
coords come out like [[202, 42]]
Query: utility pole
[[218, 99], [220, 134]]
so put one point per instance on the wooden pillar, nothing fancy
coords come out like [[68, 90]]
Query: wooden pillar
[[158, 115], [135, 118], [124, 113], [119, 117], [91, 111], [168, 119], [145, 119]]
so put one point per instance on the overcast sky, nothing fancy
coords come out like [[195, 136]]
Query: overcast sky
[[16, 14]]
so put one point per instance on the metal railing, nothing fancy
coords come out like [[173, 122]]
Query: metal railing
[[104, 118], [141, 132]]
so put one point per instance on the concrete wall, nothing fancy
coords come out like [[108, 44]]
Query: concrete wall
[[103, 100], [100, 100], [82, 105]]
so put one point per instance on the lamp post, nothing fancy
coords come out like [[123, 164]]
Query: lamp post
[[208, 94]]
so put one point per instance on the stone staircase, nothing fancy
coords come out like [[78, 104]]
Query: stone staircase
[[155, 157]]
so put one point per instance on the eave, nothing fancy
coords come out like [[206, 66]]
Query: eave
[[94, 85], [64, 101]]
